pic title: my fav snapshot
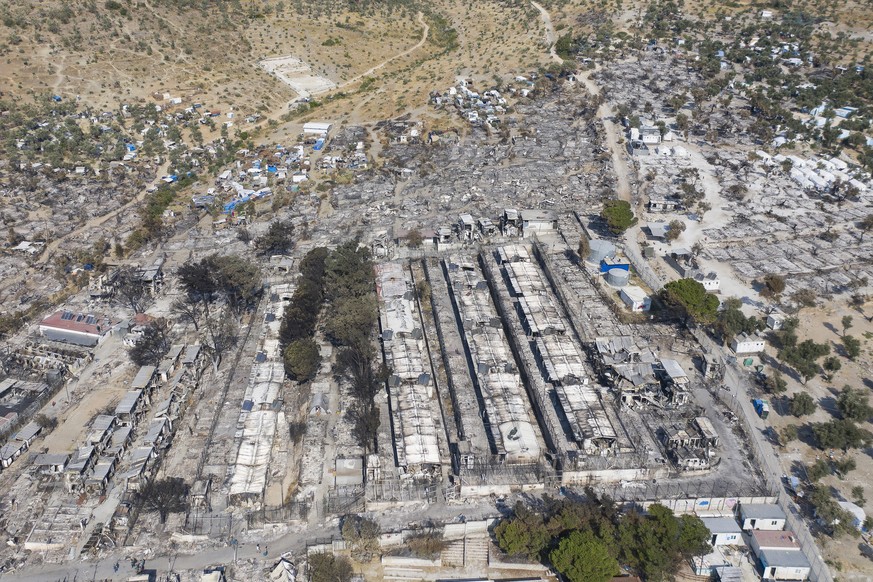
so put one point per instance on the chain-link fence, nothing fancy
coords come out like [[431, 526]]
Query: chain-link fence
[[397, 491], [344, 500], [641, 266]]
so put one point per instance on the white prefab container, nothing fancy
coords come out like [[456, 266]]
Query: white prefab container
[[635, 298], [748, 344], [767, 516], [317, 127], [724, 531], [784, 565]]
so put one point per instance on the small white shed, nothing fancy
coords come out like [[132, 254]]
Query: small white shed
[[635, 298]]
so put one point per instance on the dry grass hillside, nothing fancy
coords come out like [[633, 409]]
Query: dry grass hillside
[[108, 52]]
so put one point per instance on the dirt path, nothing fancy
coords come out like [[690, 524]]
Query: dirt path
[[550, 31], [60, 67], [170, 23], [97, 220], [277, 114], [425, 31], [606, 114]]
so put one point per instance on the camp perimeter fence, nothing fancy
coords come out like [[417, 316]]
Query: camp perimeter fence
[[642, 268], [227, 525], [738, 402], [398, 491], [685, 496]]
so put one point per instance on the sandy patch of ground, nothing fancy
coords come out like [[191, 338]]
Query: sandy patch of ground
[[297, 75], [100, 388]]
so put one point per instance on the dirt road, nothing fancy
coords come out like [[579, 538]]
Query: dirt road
[[96, 221], [550, 31], [606, 114], [277, 114], [425, 31]]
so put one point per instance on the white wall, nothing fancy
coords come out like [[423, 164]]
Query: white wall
[[787, 573], [728, 539], [764, 524]]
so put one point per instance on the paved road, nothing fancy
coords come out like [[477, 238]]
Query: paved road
[[624, 176], [293, 542]]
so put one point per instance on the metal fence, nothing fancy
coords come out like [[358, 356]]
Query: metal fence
[[343, 500], [214, 525], [397, 491], [292, 511], [641, 266], [225, 525], [684, 489]]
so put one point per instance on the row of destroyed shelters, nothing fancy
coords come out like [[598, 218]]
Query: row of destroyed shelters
[[560, 360], [122, 447], [510, 224], [18, 401], [513, 435], [256, 426], [410, 386], [97, 459]]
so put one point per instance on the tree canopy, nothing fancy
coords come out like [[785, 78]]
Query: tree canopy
[[131, 290], [655, 544], [854, 405], [775, 383], [618, 215], [836, 519], [852, 345], [841, 434], [232, 277], [677, 227], [151, 346], [278, 240], [581, 557], [523, 535], [414, 238], [327, 567], [302, 359], [165, 496], [691, 298], [773, 285], [341, 280], [582, 539], [802, 404], [361, 534], [803, 356], [731, 321]]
